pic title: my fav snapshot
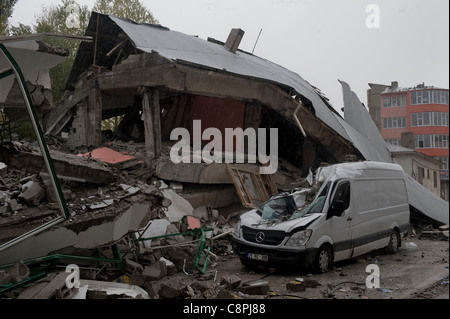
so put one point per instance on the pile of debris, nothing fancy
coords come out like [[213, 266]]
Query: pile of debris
[[431, 233], [170, 237]]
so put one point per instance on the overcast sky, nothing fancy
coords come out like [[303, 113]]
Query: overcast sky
[[322, 40]]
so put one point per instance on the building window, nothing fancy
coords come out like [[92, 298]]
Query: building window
[[431, 141], [428, 97], [429, 119], [444, 162], [435, 179], [393, 141], [440, 141], [394, 101], [440, 97], [394, 122]]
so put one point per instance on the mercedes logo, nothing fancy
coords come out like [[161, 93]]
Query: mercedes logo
[[260, 237]]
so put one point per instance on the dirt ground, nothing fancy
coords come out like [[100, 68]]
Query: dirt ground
[[418, 271]]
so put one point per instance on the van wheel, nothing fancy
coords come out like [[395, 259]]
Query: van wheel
[[394, 243], [324, 259]]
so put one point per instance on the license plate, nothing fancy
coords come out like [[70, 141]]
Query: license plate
[[258, 257]]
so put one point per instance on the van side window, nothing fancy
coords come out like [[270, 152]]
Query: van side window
[[343, 194]]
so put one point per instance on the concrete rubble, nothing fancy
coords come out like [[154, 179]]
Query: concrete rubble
[[162, 246], [27, 199]]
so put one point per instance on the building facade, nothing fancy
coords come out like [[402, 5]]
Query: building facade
[[417, 118], [419, 166]]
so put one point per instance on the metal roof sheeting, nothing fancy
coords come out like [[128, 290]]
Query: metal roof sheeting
[[181, 47]]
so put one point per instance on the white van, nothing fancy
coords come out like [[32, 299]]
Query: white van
[[359, 207]]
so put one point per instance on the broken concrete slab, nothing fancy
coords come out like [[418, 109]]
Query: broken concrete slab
[[3, 169], [170, 266], [216, 196], [204, 212], [173, 240], [140, 280], [3, 197], [156, 228], [212, 293], [66, 165], [177, 187], [295, 286], [155, 271], [256, 287], [14, 205], [129, 189], [109, 290], [32, 193], [202, 286], [310, 283], [4, 211], [179, 206], [171, 289], [18, 272], [104, 203], [230, 281], [55, 289], [84, 231], [132, 267]]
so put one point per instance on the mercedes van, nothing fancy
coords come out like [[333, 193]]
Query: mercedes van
[[359, 207]]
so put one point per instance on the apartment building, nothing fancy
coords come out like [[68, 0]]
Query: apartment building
[[421, 115]]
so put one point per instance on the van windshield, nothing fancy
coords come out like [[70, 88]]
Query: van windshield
[[316, 206], [280, 208]]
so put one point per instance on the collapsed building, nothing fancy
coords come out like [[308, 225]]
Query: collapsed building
[[157, 80], [160, 80]]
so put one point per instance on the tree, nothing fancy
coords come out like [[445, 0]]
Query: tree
[[71, 18], [6, 10], [65, 18], [130, 9], [20, 29]]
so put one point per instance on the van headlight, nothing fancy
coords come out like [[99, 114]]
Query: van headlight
[[299, 238], [237, 230]]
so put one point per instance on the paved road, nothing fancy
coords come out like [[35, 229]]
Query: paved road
[[418, 270]]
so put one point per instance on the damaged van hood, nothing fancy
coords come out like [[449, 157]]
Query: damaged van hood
[[253, 220]]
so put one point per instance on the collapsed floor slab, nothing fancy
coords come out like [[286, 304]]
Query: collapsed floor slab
[[85, 232], [66, 165]]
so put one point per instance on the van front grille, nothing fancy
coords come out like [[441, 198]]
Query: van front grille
[[264, 237]]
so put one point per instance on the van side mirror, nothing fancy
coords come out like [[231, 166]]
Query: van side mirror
[[337, 208]]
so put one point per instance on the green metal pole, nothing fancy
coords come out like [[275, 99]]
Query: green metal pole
[[41, 140]]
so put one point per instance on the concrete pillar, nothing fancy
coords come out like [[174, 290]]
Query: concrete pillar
[[152, 123], [94, 118]]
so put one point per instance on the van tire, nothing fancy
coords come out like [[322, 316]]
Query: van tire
[[323, 259], [394, 242]]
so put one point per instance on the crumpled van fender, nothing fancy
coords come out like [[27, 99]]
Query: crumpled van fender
[[322, 240]]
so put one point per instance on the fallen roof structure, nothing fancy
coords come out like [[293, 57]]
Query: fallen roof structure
[[374, 148]]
